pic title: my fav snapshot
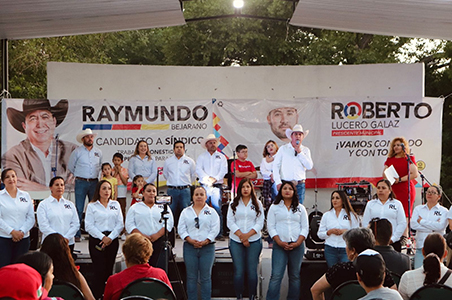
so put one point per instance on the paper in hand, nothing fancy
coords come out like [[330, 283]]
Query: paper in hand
[[391, 174]]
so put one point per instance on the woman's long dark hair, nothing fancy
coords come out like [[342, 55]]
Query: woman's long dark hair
[[39, 261], [434, 249], [295, 201], [96, 195], [56, 246], [391, 194], [237, 198], [345, 204]]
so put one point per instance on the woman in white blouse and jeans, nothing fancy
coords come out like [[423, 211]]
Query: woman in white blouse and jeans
[[104, 223], [340, 218], [287, 223], [245, 221], [199, 224]]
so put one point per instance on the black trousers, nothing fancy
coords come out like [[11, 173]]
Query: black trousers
[[103, 262], [157, 246]]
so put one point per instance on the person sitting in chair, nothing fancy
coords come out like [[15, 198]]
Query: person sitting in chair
[[370, 271], [137, 250]]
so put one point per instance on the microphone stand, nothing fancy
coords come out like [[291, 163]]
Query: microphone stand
[[409, 162], [55, 166], [233, 176]]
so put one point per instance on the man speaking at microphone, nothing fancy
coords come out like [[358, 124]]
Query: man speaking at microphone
[[292, 160]]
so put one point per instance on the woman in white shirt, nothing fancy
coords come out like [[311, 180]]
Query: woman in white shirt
[[266, 168], [432, 271], [386, 207], [58, 215], [428, 218], [141, 163], [103, 222], [199, 224], [287, 223], [16, 219], [245, 220], [144, 218], [340, 218]]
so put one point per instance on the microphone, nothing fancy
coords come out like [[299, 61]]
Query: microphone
[[298, 142], [403, 146]]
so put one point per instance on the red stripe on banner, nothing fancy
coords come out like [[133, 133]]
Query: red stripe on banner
[[357, 132], [331, 182], [126, 127]]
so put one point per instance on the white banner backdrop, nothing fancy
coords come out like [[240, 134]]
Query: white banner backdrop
[[349, 137], [118, 125]]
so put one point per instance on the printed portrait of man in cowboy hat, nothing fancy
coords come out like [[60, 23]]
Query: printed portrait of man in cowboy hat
[[37, 157], [280, 119]]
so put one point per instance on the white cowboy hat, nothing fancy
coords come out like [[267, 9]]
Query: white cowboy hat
[[84, 133], [296, 128], [208, 138]]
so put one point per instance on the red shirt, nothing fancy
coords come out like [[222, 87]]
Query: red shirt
[[242, 166], [116, 283]]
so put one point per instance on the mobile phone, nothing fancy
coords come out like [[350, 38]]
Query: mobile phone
[[99, 247]]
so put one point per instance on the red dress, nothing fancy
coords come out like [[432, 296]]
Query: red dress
[[401, 189]]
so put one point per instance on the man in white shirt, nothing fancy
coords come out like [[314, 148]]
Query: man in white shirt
[[179, 171], [211, 167], [292, 160], [85, 163]]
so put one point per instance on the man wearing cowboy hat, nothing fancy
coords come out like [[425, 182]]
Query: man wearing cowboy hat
[[211, 167], [292, 160], [40, 156], [85, 163]]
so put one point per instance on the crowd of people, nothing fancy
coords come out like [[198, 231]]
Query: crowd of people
[[364, 248]]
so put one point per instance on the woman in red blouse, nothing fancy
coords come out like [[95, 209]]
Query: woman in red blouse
[[397, 158]]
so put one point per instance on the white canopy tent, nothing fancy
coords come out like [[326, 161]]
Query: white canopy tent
[[407, 18], [24, 19]]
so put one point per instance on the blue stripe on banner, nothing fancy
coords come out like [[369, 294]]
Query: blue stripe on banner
[[216, 133], [98, 126]]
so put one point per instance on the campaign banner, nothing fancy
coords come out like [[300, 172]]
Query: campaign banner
[[349, 137], [38, 136]]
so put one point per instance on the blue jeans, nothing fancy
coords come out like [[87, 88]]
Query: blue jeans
[[82, 189], [280, 259], [199, 263], [214, 197], [335, 255], [180, 200], [245, 259], [10, 250], [301, 188], [418, 258]]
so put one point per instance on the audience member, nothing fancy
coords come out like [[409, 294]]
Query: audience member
[[395, 261], [19, 281], [432, 271], [370, 271], [137, 250], [64, 269], [356, 241], [42, 263]]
